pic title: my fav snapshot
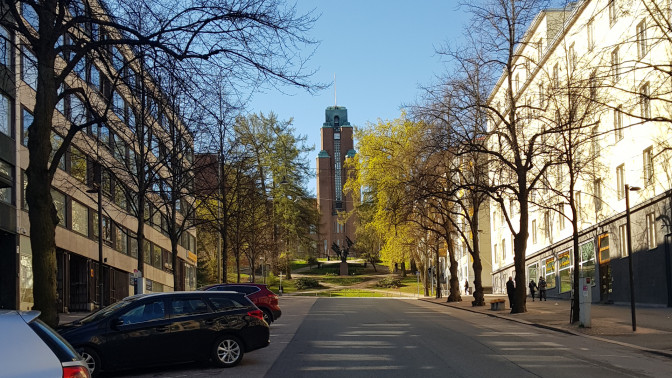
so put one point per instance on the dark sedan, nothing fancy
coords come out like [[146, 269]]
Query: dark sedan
[[165, 328]]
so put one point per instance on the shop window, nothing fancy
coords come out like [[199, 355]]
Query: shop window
[[549, 273], [565, 271], [587, 254]]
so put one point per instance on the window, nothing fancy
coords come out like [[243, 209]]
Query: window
[[144, 313], [549, 274], [542, 96], [595, 141], [80, 218], [577, 204], [591, 34], [5, 48], [642, 47], [597, 194], [556, 76], [622, 239], [28, 67], [651, 230], [547, 225], [78, 165], [7, 175], [494, 251], [565, 271], [618, 123], [540, 50], [534, 231], [615, 65], [503, 249], [186, 307], [612, 12], [56, 141], [30, 15], [26, 121], [561, 216], [516, 83], [221, 303], [5, 115], [647, 160], [587, 263], [571, 58], [645, 101], [620, 181], [59, 203], [77, 113], [24, 203]]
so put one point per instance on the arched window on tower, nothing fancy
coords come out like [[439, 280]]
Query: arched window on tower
[[337, 121]]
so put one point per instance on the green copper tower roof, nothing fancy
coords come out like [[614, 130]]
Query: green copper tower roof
[[336, 117]]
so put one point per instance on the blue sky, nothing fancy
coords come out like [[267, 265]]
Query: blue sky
[[380, 51]]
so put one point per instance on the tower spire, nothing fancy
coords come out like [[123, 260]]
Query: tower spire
[[335, 102]]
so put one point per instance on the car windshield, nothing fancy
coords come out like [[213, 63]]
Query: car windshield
[[107, 310]]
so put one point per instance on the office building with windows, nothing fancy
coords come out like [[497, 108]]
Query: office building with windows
[[103, 156]]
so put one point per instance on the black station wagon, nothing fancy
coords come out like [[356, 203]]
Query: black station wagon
[[166, 328]]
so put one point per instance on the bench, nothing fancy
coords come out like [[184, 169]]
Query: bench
[[498, 304]]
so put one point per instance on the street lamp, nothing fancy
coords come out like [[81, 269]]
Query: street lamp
[[97, 189], [629, 188]]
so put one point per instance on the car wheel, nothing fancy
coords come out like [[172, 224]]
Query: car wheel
[[91, 359], [268, 317], [228, 351]]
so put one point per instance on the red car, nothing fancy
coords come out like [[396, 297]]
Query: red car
[[259, 294]]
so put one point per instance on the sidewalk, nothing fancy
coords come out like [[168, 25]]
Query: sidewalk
[[609, 323]]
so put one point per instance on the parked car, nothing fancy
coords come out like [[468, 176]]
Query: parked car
[[166, 328], [30, 348], [265, 299]]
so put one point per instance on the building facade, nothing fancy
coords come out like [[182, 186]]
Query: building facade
[[102, 158], [332, 203], [609, 56]]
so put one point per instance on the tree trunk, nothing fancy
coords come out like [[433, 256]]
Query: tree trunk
[[42, 213], [438, 274], [479, 297], [577, 266], [403, 268], [454, 282], [520, 245]]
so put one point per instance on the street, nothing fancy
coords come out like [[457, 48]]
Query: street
[[367, 337]]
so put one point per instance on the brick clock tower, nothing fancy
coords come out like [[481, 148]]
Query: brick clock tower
[[337, 145]]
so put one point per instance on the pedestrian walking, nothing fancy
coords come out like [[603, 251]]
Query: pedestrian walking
[[533, 288], [466, 287], [542, 288], [510, 288]]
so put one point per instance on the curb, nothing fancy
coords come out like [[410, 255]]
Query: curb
[[663, 353]]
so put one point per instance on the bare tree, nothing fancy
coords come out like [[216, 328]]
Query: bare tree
[[260, 47]]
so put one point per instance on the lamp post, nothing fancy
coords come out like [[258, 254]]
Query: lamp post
[[628, 188], [97, 189]]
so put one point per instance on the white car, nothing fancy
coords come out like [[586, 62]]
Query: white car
[[30, 348]]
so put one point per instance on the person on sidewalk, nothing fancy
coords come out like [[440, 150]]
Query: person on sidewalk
[[533, 288], [510, 288], [466, 287], [542, 288]]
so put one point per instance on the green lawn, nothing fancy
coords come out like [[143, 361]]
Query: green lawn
[[409, 285]]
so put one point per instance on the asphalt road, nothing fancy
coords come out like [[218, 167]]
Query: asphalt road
[[371, 337]]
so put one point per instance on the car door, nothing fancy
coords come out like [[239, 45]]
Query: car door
[[191, 319], [139, 335]]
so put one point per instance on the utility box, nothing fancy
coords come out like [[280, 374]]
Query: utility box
[[585, 299]]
